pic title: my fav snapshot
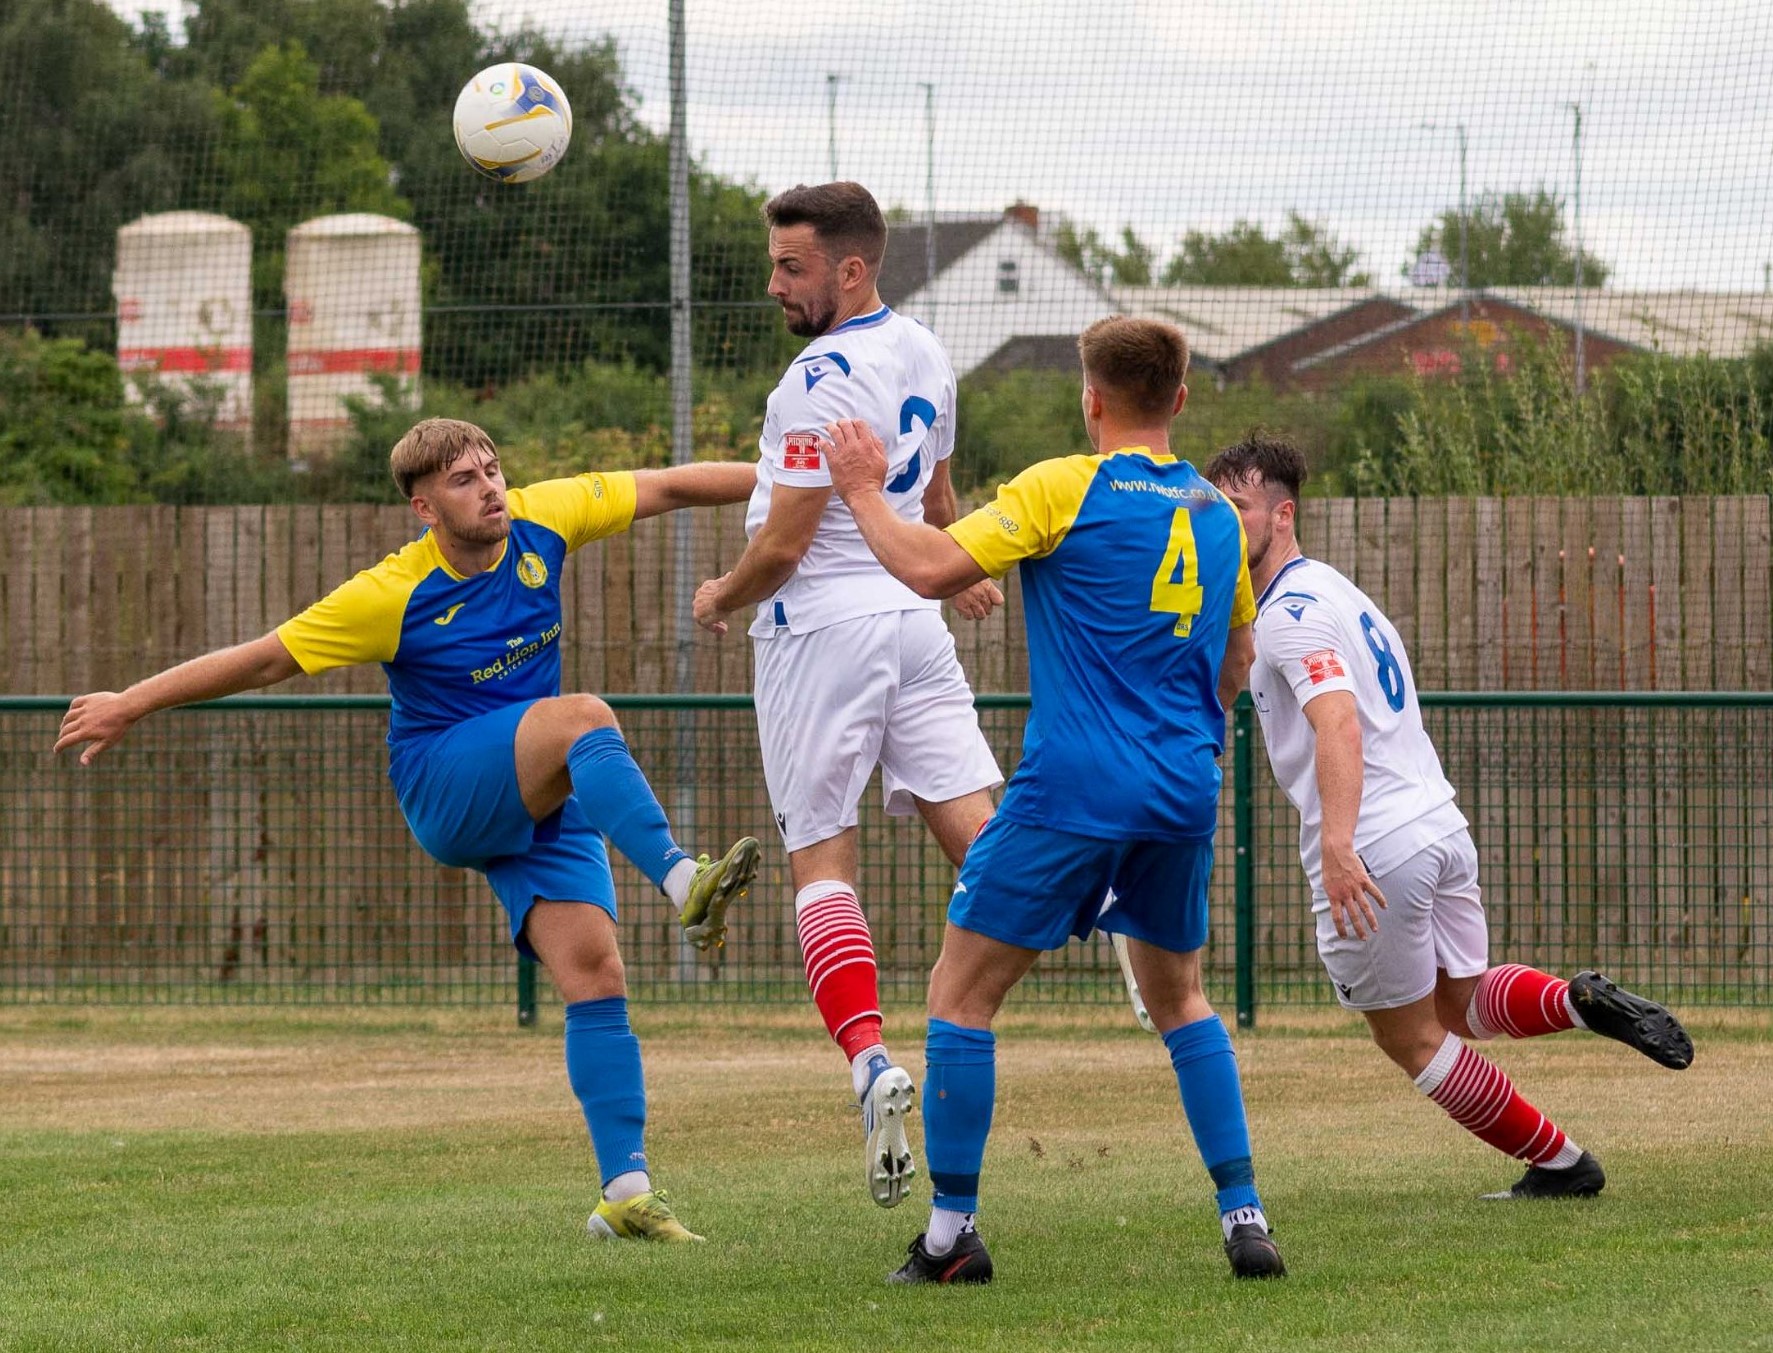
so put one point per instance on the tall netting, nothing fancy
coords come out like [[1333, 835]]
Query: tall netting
[[1452, 247], [1503, 270]]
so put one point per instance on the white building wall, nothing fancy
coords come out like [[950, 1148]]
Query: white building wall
[[974, 316]]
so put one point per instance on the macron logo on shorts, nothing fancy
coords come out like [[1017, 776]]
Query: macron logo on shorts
[[1323, 665], [800, 451]]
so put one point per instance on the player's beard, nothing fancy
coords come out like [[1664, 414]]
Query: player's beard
[[1257, 552], [1258, 549], [475, 529], [811, 319]]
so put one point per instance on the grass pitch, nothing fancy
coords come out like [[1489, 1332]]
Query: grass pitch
[[307, 1179]]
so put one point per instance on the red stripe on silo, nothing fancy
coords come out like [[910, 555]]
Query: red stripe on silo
[[341, 361], [182, 360]]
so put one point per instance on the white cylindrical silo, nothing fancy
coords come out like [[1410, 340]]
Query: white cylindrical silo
[[184, 309], [352, 282]]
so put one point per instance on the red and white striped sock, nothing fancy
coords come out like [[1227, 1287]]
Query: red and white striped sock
[[1521, 1002], [1478, 1096], [840, 967]]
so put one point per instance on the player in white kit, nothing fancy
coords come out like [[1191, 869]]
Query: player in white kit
[[1379, 830], [853, 669]]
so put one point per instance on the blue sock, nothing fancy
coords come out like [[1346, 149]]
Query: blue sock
[[603, 1064], [959, 1089], [621, 804], [1206, 1071]]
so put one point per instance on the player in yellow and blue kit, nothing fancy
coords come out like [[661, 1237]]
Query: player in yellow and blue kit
[[494, 769], [1139, 608]]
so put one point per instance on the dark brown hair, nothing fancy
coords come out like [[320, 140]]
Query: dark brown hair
[[1275, 460], [1136, 365], [844, 216]]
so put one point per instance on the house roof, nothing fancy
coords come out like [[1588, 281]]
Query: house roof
[[1043, 352], [1679, 323], [1223, 323], [906, 266]]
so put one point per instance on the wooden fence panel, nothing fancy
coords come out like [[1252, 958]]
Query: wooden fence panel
[[1488, 593]]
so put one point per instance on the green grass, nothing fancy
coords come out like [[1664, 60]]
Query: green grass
[[408, 1179]]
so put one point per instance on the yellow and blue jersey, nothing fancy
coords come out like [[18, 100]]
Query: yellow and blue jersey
[[1133, 574], [456, 647]]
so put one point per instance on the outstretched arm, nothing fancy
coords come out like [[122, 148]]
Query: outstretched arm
[[927, 560], [102, 718], [706, 484]]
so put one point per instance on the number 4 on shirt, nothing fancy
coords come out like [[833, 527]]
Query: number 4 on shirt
[[1181, 597]]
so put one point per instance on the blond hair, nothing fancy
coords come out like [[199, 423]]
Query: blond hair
[[1136, 365], [434, 444]]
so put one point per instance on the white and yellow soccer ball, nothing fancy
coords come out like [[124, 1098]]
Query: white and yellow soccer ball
[[513, 122]]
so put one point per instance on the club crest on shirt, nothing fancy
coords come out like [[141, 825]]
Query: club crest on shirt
[[800, 451], [531, 570], [1323, 665]]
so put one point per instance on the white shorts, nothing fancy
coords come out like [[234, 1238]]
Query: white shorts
[[882, 690], [1433, 918]]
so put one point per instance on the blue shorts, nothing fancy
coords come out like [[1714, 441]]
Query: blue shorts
[[458, 793], [1034, 887]]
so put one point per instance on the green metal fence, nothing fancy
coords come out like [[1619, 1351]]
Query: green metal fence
[[250, 851]]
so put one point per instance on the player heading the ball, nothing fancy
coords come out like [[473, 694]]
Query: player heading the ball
[[853, 668]]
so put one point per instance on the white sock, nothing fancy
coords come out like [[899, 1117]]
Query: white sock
[[628, 1184], [1479, 1029], [1565, 1158], [944, 1229], [677, 881], [1570, 1008], [1241, 1216], [859, 1066]]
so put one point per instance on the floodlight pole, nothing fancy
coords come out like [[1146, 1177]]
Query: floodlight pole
[[831, 80], [1464, 251], [1581, 363], [929, 197]]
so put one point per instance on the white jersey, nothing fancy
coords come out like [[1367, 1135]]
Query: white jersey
[[891, 373], [1317, 632]]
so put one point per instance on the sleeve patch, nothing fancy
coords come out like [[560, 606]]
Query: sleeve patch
[[800, 451], [1323, 665]]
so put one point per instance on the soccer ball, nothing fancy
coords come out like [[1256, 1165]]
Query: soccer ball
[[513, 122]]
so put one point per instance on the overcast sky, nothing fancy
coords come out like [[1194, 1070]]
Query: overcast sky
[[1168, 115]]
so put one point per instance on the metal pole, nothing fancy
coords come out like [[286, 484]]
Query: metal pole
[[1464, 254], [1581, 364], [683, 404], [831, 119], [1458, 128], [1243, 811], [526, 992], [929, 198]]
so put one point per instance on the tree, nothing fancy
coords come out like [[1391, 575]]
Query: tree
[[94, 140], [289, 152], [1304, 254], [1129, 266], [1512, 240], [575, 266]]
